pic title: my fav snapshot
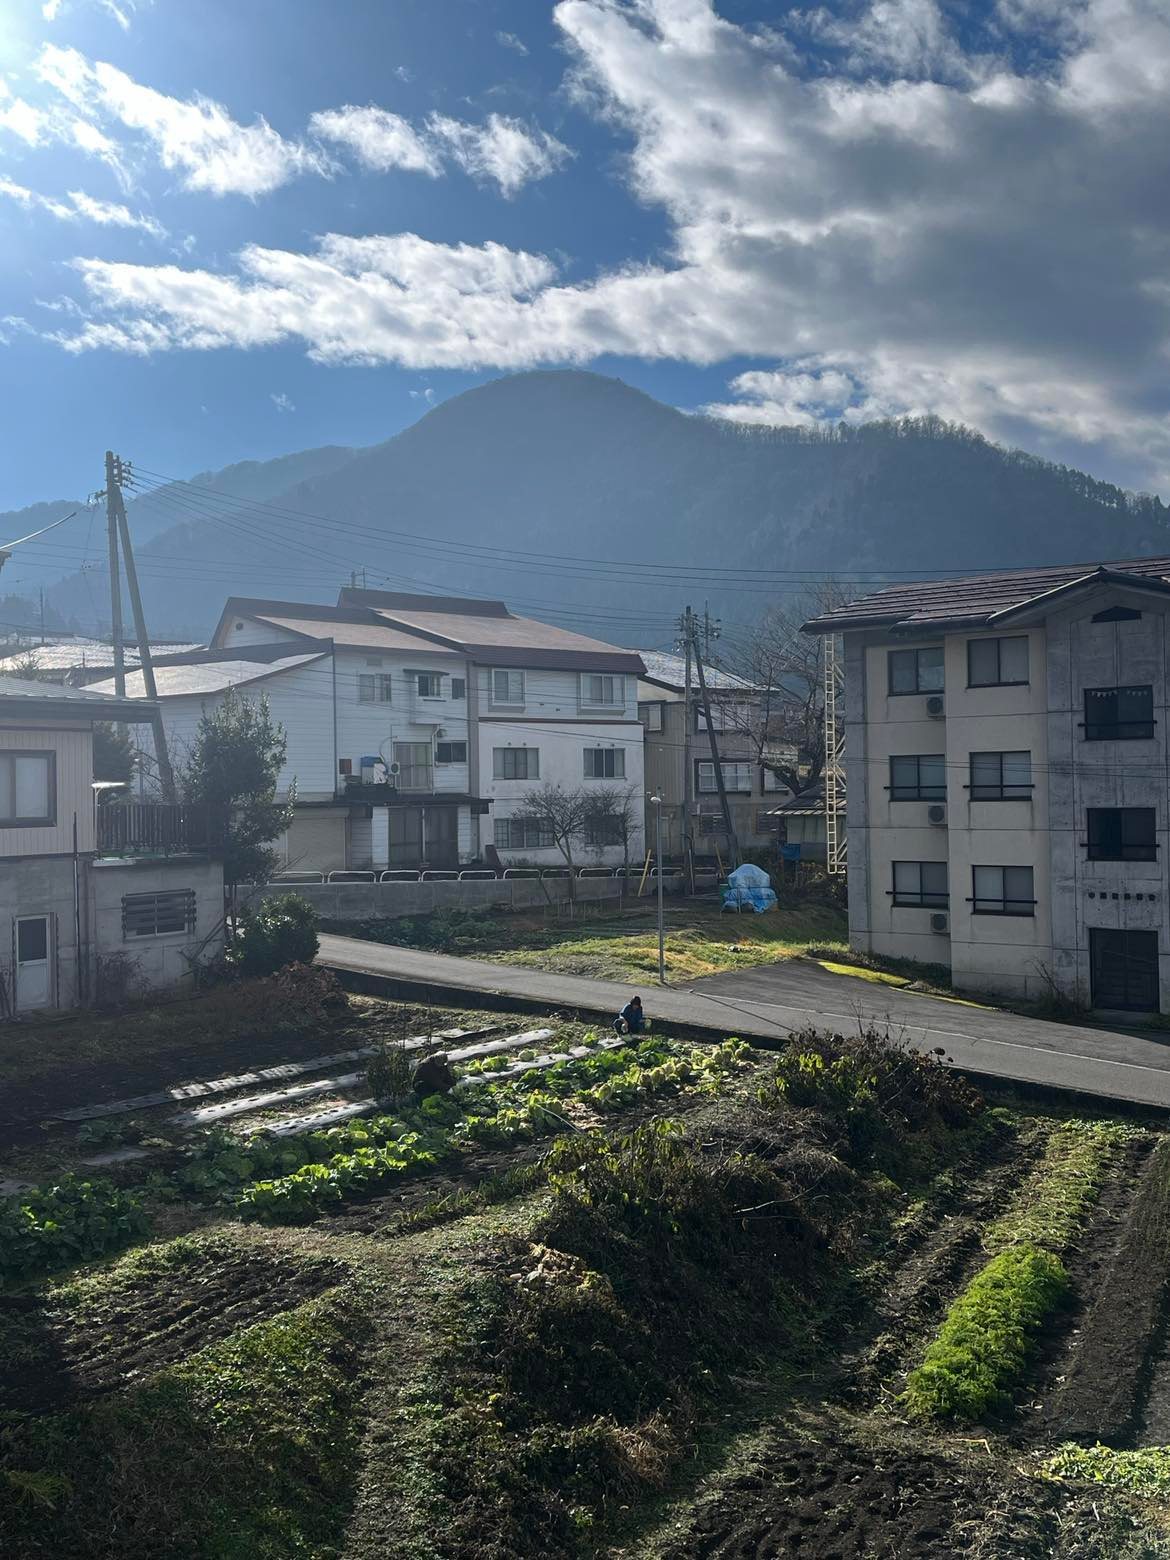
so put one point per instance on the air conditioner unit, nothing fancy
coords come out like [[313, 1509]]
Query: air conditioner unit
[[936, 813], [940, 923], [394, 768], [440, 733], [936, 706]]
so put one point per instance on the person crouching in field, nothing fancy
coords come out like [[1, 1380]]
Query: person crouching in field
[[631, 1020]]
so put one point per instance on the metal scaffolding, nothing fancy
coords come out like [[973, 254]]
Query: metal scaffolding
[[836, 838]]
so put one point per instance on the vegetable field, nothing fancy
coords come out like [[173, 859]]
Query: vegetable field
[[637, 1298]]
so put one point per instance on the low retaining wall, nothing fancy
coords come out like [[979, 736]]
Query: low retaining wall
[[369, 901]]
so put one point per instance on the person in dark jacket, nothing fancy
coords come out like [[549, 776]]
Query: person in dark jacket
[[631, 1020]]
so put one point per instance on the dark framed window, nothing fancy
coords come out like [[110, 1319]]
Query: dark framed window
[[1124, 714], [1001, 777], [737, 776], [522, 834], [1002, 891], [997, 663], [921, 884], [1122, 834], [918, 777], [604, 831], [28, 789], [605, 763], [430, 685], [459, 687], [157, 915], [375, 688], [916, 671], [650, 714], [450, 752], [515, 763]]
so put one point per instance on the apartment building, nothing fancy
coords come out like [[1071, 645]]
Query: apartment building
[[1008, 801], [416, 725], [753, 791], [83, 887]]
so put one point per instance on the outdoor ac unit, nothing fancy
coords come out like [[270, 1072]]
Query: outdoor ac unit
[[394, 768], [939, 923], [937, 814], [936, 706]]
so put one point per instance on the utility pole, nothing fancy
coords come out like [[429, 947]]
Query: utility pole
[[732, 841], [116, 473], [688, 844], [113, 494]]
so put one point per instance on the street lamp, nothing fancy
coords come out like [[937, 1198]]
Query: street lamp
[[656, 798]]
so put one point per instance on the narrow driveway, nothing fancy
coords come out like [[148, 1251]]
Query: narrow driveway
[[772, 1000]]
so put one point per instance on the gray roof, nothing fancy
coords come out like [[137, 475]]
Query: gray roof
[[214, 675], [981, 600], [19, 695], [670, 671], [69, 654]]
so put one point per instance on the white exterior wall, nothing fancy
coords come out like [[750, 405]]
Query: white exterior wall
[[247, 631], [551, 720], [166, 960], [1014, 955], [372, 729]]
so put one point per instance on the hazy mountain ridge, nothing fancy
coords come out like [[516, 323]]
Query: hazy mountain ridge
[[577, 465]]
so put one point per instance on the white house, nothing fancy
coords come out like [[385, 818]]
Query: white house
[[85, 889], [412, 720], [1006, 753]]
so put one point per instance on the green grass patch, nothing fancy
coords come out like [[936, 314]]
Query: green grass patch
[[1144, 1472], [1062, 1188], [245, 1451], [983, 1346]]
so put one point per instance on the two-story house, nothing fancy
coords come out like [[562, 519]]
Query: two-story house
[[1006, 756], [753, 790], [88, 892], [416, 725]]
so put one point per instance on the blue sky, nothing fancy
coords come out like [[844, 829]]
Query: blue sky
[[229, 231]]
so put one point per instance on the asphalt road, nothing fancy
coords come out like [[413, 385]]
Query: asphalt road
[[772, 1000]]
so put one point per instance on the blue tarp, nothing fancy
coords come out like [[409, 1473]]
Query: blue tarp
[[749, 888]]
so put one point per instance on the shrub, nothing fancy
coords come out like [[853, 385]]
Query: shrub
[[389, 1073], [280, 932], [64, 1224], [984, 1343]]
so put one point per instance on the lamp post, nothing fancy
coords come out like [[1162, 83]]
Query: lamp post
[[656, 798]]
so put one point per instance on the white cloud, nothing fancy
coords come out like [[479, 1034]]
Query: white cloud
[[379, 139], [80, 206], [52, 9], [980, 236], [282, 402], [198, 138], [502, 149], [508, 40]]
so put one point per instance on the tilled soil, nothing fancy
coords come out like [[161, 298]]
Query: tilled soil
[[51, 1357], [839, 1499]]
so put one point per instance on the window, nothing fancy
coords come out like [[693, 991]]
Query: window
[[507, 687], [514, 763], [450, 752], [997, 663], [916, 671], [921, 884], [414, 766], [430, 685], [522, 834], [651, 716], [724, 716], [459, 687], [605, 763], [1122, 834], [157, 915], [767, 822], [28, 789], [602, 692], [1119, 714], [712, 823], [374, 687], [1000, 777], [604, 831], [1003, 891], [737, 776], [771, 781], [918, 777]]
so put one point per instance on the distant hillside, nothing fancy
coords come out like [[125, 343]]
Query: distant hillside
[[587, 468]]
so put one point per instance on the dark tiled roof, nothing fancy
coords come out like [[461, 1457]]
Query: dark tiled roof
[[977, 598]]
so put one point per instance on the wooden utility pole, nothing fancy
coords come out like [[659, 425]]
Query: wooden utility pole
[[732, 841], [113, 495], [115, 474]]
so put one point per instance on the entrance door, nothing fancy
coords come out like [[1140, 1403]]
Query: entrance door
[[1124, 969], [34, 969], [443, 838]]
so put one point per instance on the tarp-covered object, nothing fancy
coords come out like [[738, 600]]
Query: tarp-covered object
[[749, 888]]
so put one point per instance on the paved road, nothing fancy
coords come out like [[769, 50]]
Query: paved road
[[772, 1000]]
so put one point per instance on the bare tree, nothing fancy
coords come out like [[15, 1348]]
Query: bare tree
[[562, 813], [614, 815], [782, 713]]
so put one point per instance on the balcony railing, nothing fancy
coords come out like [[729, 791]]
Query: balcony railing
[[151, 829]]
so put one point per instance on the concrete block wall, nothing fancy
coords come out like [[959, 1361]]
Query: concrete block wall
[[369, 901]]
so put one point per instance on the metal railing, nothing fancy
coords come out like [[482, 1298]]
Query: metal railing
[[151, 828]]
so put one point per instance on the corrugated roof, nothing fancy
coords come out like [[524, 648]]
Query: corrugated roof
[[211, 676], [76, 654], [976, 598], [26, 696], [662, 667]]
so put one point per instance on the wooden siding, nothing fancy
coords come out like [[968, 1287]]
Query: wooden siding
[[74, 784]]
